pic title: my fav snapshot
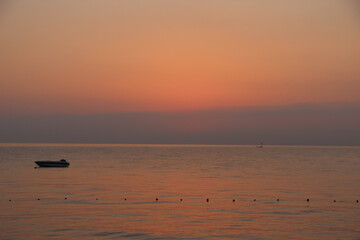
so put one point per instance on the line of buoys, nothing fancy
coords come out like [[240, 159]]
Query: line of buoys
[[207, 200]]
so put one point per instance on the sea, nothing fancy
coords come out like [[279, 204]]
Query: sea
[[179, 192]]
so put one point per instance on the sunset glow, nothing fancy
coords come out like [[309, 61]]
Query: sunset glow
[[180, 119], [110, 56]]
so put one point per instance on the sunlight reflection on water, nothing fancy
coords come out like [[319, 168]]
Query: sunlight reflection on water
[[110, 192]]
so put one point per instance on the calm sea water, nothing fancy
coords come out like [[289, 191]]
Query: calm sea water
[[110, 191]]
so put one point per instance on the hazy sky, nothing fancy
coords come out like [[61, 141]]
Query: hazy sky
[[315, 124], [81, 57]]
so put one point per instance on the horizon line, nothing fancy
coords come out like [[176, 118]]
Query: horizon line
[[180, 144]]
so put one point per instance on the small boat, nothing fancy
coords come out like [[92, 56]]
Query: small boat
[[61, 163], [260, 146]]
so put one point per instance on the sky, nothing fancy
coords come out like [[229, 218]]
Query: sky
[[202, 71]]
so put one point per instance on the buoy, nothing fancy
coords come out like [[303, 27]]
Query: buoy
[[233, 200], [65, 198], [38, 199], [180, 199], [334, 200], [254, 200], [308, 200], [357, 201], [125, 199], [278, 200], [97, 199], [157, 199], [9, 200], [207, 200]]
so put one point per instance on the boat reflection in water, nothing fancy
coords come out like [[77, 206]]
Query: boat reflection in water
[[61, 163]]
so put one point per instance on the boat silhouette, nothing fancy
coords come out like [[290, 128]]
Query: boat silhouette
[[61, 163]]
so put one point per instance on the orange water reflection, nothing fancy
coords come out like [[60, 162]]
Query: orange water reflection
[[101, 177]]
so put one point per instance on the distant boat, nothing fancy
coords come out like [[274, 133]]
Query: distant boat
[[260, 146], [61, 163]]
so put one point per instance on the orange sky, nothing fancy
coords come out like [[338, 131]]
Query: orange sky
[[112, 56]]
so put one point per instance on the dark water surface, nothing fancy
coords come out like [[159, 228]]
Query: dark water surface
[[100, 177]]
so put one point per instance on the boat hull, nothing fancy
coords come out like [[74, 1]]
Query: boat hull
[[52, 164]]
